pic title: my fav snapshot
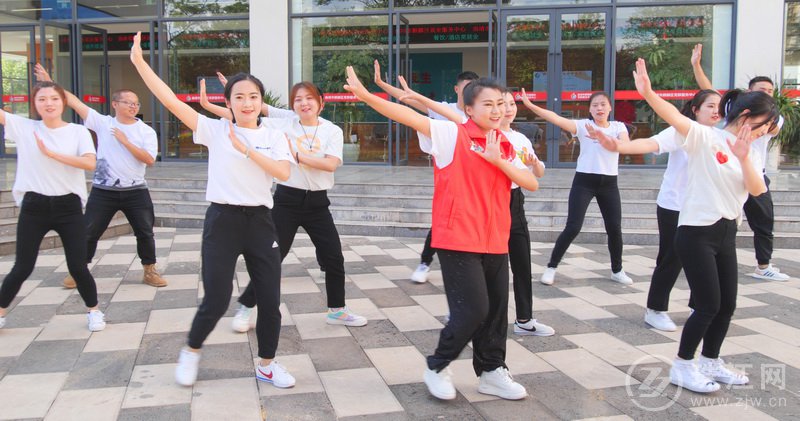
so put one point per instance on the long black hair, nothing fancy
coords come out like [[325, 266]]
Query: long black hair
[[696, 102], [238, 78], [735, 102]]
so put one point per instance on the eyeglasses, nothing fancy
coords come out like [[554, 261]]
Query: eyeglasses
[[130, 104]]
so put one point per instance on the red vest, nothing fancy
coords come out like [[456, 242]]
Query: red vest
[[471, 197]]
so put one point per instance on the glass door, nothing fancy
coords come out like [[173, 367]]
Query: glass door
[[560, 58], [93, 68], [18, 54], [55, 54], [402, 67]]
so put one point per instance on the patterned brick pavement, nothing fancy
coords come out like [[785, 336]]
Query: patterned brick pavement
[[602, 363]]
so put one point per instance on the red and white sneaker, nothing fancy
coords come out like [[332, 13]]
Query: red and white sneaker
[[276, 374]]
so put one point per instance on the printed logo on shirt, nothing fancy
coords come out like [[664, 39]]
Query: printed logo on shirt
[[274, 244], [721, 156], [308, 144], [263, 148]]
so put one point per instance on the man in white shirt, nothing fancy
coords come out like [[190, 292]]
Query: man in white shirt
[[758, 209], [463, 79], [125, 147]]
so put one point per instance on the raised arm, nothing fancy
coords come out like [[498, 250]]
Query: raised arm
[[395, 91], [218, 111], [411, 97], [72, 101], [699, 75], [664, 109], [634, 147], [753, 179], [180, 109], [564, 123], [397, 112]]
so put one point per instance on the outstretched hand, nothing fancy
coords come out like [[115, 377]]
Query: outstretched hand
[[641, 78], [525, 101], [409, 95], [203, 93], [42, 148], [741, 146], [491, 152], [377, 77], [222, 79], [237, 144], [606, 141], [136, 49], [697, 54], [354, 85], [41, 74]]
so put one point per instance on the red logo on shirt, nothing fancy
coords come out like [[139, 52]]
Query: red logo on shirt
[[721, 157]]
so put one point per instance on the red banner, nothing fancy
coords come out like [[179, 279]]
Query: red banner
[[15, 98], [94, 99], [348, 97]]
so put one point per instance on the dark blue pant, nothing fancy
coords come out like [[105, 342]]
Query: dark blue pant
[[228, 232], [585, 187], [476, 286], [137, 207], [295, 208], [40, 214], [668, 264], [708, 254]]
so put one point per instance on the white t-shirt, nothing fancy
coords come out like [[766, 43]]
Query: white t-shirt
[[594, 158], [117, 168], [442, 143], [232, 178], [673, 185], [761, 145], [715, 188], [43, 175], [522, 145], [317, 141], [280, 112], [454, 106]]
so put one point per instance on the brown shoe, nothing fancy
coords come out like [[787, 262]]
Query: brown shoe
[[69, 282], [152, 277]]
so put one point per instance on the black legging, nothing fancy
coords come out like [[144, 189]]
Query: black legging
[[296, 208], [586, 186], [40, 214], [668, 264], [708, 254], [519, 255]]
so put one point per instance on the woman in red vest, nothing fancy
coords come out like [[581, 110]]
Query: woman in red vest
[[475, 165]]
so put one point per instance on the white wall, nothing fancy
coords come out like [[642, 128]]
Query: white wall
[[759, 40], [269, 45]]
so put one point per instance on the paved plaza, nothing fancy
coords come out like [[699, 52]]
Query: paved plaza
[[603, 362]]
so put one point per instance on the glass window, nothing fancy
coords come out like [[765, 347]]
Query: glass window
[[321, 49], [790, 155], [306, 6], [430, 4], [16, 11], [665, 36], [195, 51], [207, 7], [550, 2], [116, 9]]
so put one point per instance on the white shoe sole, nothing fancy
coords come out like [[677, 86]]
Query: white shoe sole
[[491, 390], [345, 323], [545, 282], [523, 332], [768, 278], [240, 329], [419, 279], [696, 390], [661, 328]]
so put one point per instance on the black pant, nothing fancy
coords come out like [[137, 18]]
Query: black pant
[[40, 214], [708, 254], [427, 251], [296, 208], [137, 207], [519, 254], [668, 264], [585, 187], [230, 231], [761, 218], [476, 286]]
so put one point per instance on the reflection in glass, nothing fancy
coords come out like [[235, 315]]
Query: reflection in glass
[[197, 50], [116, 9], [790, 155], [322, 48], [15, 49], [207, 7], [664, 36], [306, 6], [17, 11]]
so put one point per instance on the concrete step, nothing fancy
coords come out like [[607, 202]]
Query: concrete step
[[8, 210], [118, 226]]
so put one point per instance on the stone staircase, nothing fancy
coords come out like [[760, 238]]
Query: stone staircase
[[384, 207]]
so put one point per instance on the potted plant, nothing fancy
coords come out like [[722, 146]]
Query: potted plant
[[788, 139]]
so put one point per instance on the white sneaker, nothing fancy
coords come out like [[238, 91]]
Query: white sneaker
[[498, 382], [241, 321], [770, 273], [420, 275], [548, 276], [2, 322], [343, 316], [659, 320], [97, 320], [714, 368], [685, 374], [622, 278], [186, 370], [533, 328], [276, 374], [440, 384]]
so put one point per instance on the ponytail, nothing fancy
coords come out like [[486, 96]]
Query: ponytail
[[758, 104]]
